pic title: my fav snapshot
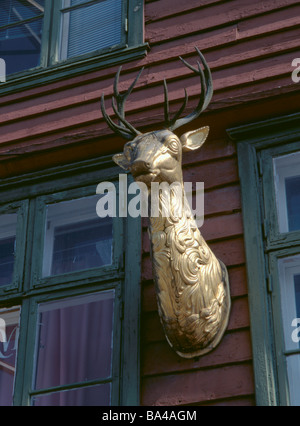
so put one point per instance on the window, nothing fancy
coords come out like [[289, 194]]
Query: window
[[269, 165], [75, 239], [7, 247], [21, 25], [287, 181], [69, 295], [289, 279], [59, 38], [80, 33], [74, 344], [12, 245]]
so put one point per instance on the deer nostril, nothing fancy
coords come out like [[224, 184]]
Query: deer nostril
[[140, 166]]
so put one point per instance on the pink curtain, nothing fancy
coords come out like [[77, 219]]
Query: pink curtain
[[75, 345]]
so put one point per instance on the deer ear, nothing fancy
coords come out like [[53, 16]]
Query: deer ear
[[194, 139], [121, 161]]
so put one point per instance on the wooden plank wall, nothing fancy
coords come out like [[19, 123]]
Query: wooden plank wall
[[249, 45]]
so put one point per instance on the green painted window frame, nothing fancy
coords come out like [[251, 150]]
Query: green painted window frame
[[29, 194], [21, 209], [106, 271], [24, 398], [51, 69], [257, 145]]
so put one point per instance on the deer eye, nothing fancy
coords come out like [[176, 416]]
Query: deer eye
[[173, 146]]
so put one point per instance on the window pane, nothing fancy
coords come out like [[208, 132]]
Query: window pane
[[14, 11], [293, 202], [89, 396], [289, 274], [89, 28], [20, 43], [8, 226], [293, 366], [74, 340], [76, 238], [287, 185], [9, 333]]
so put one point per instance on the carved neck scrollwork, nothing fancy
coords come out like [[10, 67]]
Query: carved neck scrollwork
[[191, 284]]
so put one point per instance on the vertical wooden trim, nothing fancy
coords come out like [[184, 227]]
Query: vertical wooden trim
[[54, 51], [130, 392], [37, 234], [21, 245], [135, 22], [21, 367], [261, 330], [283, 385], [269, 194], [62, 45], [46, 35], [21, 210]]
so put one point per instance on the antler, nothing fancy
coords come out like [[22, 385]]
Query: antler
[[124, 128], [205, 97]]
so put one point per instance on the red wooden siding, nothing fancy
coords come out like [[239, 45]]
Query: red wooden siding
[[249, 45]]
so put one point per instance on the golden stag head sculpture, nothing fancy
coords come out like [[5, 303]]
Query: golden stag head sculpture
[[192, 285]]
